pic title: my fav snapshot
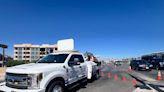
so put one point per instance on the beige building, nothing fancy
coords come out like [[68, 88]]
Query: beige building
[[29, 52]]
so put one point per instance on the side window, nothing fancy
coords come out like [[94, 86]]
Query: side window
[[77, 58], [72, 58], [81, 60]]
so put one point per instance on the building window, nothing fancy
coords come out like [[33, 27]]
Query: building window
[[16, 52], [56, 49], [20, 57], [37, 49], [19, 52], [32, 53], [16, 56], [16, 48], [26, 52], [32, 57], [42, 49], [26, 56], [20, 48]]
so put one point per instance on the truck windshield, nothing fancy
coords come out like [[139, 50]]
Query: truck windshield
[[58, 58]]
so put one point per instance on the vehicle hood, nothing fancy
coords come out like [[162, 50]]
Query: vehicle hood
[[33, 68]]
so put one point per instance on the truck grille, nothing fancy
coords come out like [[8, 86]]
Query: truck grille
[[19, 81]]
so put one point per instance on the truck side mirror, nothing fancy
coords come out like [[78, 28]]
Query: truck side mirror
[[77, 61]]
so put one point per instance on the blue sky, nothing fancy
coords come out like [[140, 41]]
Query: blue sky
[[108, 28]]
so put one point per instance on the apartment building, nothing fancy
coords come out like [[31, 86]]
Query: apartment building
[[29, 52]]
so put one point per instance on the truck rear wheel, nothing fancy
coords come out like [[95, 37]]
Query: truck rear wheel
[[56, 86], [96, 76]]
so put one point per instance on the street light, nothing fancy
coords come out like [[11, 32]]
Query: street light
[[3, 46]]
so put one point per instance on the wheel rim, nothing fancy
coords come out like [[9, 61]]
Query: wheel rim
[[57, 88]]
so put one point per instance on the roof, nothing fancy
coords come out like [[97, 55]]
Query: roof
[[66, 52]]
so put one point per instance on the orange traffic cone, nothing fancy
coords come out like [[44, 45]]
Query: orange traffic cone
[[109, 75], [159, 76], [115, 77], [102, 74], [124, 79], [134, 82]]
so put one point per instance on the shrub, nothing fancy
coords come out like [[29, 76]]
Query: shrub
[[14, 63]]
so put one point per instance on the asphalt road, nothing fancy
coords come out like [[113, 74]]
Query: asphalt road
[[108, 81]]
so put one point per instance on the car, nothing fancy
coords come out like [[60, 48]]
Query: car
[[158, 63], [53, 73], [140, 65], [118, 63]]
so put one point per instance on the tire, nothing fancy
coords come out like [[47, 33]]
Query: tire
[[157, 67], [56, 86], [96, 76]]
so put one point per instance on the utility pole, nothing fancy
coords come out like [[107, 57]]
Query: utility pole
[[3, 46]]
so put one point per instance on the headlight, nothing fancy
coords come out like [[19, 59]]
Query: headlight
[[161, 63], [34, 80], [151, 65]]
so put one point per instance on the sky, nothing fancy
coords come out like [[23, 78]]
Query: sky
[[107, 28]]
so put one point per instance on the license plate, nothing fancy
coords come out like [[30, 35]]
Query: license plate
[[147, 67]]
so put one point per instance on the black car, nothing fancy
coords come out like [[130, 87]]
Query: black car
[[158, 63], [140, 65]]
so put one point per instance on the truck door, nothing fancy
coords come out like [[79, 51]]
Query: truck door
[[83, 67], [73, 70]]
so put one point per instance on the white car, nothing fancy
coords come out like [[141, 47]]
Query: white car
[[52, 73]]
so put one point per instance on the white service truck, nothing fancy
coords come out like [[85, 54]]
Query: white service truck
[[52, 73]]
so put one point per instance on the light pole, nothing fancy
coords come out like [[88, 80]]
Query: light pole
[[3, 46]]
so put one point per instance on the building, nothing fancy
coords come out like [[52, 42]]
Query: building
[[29, 52]]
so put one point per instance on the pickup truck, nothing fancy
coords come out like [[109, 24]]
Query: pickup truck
[[53, 73]]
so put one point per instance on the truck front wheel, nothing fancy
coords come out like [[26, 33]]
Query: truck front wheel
[[56, 86]]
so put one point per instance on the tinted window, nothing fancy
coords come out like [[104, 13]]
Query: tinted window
[[59, 58], [79, 57]]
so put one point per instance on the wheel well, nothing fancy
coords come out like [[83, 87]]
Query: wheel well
[[58, 79]]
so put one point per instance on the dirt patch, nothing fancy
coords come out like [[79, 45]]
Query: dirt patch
[[2, 70]]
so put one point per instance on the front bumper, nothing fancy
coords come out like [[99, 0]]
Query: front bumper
[[4, 88], [145, 68]]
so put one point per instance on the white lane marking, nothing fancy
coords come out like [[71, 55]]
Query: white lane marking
[[143, 90]]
